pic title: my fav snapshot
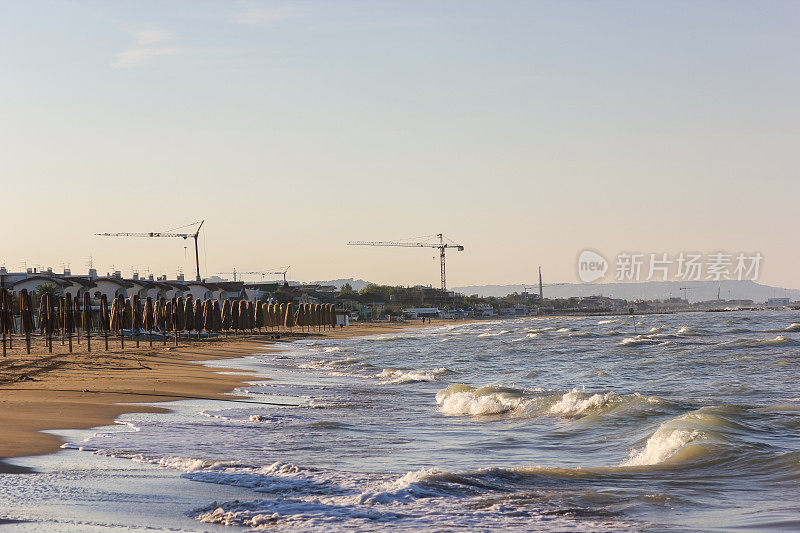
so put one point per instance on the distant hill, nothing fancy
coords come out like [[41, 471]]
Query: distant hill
[[653, 290]]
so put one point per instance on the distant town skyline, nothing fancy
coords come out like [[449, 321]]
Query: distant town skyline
[[526, 131]]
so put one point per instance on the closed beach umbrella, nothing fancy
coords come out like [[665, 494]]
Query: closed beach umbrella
[[289, 320], [198, 315], [265, 314], [188, 314], [158, 311], [235, 315], [127, 314], [251, 315], [149, 315], [87, 312], [217, 315], [69, 319], [268, 317], [169, 315], [281, 314], [244, 315], [208, 316], [259, 315], [115, 320], [227, 319], [26, 316], [136, 317], [42, 313], [178, 318], [50, 320], [104, 315], [77, 316]]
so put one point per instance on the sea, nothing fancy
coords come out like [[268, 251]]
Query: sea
[[676, 422]]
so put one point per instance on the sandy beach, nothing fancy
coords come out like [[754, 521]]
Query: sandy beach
[[78, 390]]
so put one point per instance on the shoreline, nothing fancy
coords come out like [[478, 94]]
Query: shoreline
[[83, 390]]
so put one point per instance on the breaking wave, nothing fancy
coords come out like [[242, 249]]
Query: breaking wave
[[459, 400], [393, 375], [780, 340], [465, 400]]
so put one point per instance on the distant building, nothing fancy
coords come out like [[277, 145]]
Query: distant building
[[422, 312], [777, 302]]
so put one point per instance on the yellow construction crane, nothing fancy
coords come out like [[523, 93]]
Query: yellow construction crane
[[441, 245], [167, 234]]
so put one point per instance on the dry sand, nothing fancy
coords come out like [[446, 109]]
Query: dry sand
[[44, 391]]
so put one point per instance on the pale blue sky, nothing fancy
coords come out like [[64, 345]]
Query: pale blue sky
[[527, 131]]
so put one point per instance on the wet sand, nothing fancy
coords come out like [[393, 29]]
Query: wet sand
[[82, 390]]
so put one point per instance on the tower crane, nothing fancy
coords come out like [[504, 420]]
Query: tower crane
[[167, 234], [259, 272], [441, 245], [685, 290]]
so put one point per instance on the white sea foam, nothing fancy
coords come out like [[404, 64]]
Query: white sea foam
[[638, 340], [494, 333], [407, 488], [465, 400], [393, 375], [575, 402], [662, 445]]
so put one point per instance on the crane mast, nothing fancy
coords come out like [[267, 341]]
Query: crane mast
[[441, 245], [165, 234]]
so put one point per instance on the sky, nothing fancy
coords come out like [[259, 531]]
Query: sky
[[526, 131]]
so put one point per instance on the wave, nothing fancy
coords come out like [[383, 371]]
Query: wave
[[709, 435], [692, 331], [575, 402], [664, 443], [638, 340], [780, 340], [393, 375], [459, 400], [494, 333], [465, 400], [791, 327]]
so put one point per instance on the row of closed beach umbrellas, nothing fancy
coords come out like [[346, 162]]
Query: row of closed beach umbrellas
[[177, 317]]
